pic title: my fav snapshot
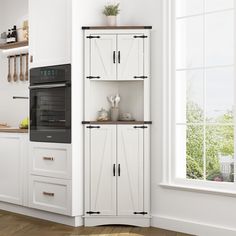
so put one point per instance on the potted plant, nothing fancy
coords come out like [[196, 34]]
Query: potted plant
[[111, 11]]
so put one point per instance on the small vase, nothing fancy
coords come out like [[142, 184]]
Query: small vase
[[114, 114], [111, 20]]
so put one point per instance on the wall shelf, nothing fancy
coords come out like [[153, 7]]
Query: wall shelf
[[6, 46]]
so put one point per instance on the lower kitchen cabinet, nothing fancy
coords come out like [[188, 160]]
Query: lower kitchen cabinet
[[13, 159], [49, 194], [116, 174]]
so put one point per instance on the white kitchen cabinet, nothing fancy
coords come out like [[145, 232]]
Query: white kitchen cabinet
[[13, 155], [50, 32], [115, 172], [101, 153], [117, 55], [130, 159], [103, 53]]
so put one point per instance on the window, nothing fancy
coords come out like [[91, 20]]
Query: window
[[203, 78]]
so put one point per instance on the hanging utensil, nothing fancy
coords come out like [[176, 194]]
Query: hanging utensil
[[15, 75], [27, 67], [21, 73], [9, 69]]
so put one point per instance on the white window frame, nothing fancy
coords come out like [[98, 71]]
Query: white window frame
[[169, 179]]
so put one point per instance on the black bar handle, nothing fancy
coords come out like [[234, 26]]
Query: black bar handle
[[119, 57], [114, 169], [141, 213], [93, 37], [119, 170], [140, 77], [114, 57]]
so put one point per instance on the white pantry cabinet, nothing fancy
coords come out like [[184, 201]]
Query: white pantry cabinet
[[116, 176], [13, 160], [117, 55], [50, 32]]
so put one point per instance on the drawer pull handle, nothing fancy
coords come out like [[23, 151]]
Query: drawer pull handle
[[48, 194], [48, 158]]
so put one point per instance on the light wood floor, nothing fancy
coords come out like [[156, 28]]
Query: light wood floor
[[17, 225]]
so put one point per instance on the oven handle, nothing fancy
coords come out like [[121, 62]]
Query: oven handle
[[48, 86]]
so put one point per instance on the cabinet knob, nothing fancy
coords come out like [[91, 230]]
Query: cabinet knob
[[31, 59]]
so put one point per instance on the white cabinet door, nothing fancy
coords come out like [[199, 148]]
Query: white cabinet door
[[50, 32], [130, 170], [130, 57], [102, 57], [102, 176], [11, 168]]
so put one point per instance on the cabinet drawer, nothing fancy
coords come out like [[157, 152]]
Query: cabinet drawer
[[52, 160], [50, 194]]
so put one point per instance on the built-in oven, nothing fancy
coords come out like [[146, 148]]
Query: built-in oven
[[50, 104]]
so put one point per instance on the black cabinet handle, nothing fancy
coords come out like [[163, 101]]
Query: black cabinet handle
[[114, 57], [93, 77], [141, 127], [114, 169], [93, 212], [119, 170], [119, 57], [140, 77]]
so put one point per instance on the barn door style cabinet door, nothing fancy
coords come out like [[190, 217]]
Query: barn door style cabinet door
[[117, 55], [117, 153], [116, 178]]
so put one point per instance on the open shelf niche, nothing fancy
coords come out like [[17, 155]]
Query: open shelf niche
[[132, 99]]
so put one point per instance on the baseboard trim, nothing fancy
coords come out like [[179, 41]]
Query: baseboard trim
[[190, 227], [61, 219], [116, 220]]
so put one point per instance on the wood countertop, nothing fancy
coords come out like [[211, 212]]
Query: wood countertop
[[13, 130]]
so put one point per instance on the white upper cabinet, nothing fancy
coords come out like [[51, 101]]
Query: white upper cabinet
[[117, 56], [130, 170], [102, 156], [50, 32], [130, 57], [103, 57]]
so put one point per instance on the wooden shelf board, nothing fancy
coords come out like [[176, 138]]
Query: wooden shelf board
[[6, 46], [116, 122], [115, 27]]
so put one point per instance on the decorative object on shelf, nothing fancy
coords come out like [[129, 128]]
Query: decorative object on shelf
[[114, 101], [111, 11], [3, 37], [103, 115], [12, 35], [23, 32], [126, 117]]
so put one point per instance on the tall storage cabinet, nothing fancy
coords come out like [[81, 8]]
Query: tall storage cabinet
[[117, 153]]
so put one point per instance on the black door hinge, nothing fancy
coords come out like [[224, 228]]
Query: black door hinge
[[93, 37], [140, 127], [93, 212], [93, 77], [93, 127], [140, 36], [140, 77], [140, 213]]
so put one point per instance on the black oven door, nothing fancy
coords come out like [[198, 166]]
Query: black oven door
[[50, 113]]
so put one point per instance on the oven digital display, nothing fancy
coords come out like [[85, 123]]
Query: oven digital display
[[48, 73]]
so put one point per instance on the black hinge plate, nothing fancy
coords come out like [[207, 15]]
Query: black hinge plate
[[140, 77], [140, 36], [93, 212], [93, 37], [140, 213], [140, 127], [93, 77], [93, 127]]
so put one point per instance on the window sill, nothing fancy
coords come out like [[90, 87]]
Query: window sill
[[198, 189]]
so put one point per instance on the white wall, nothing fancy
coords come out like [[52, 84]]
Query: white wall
[[12, 111]]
